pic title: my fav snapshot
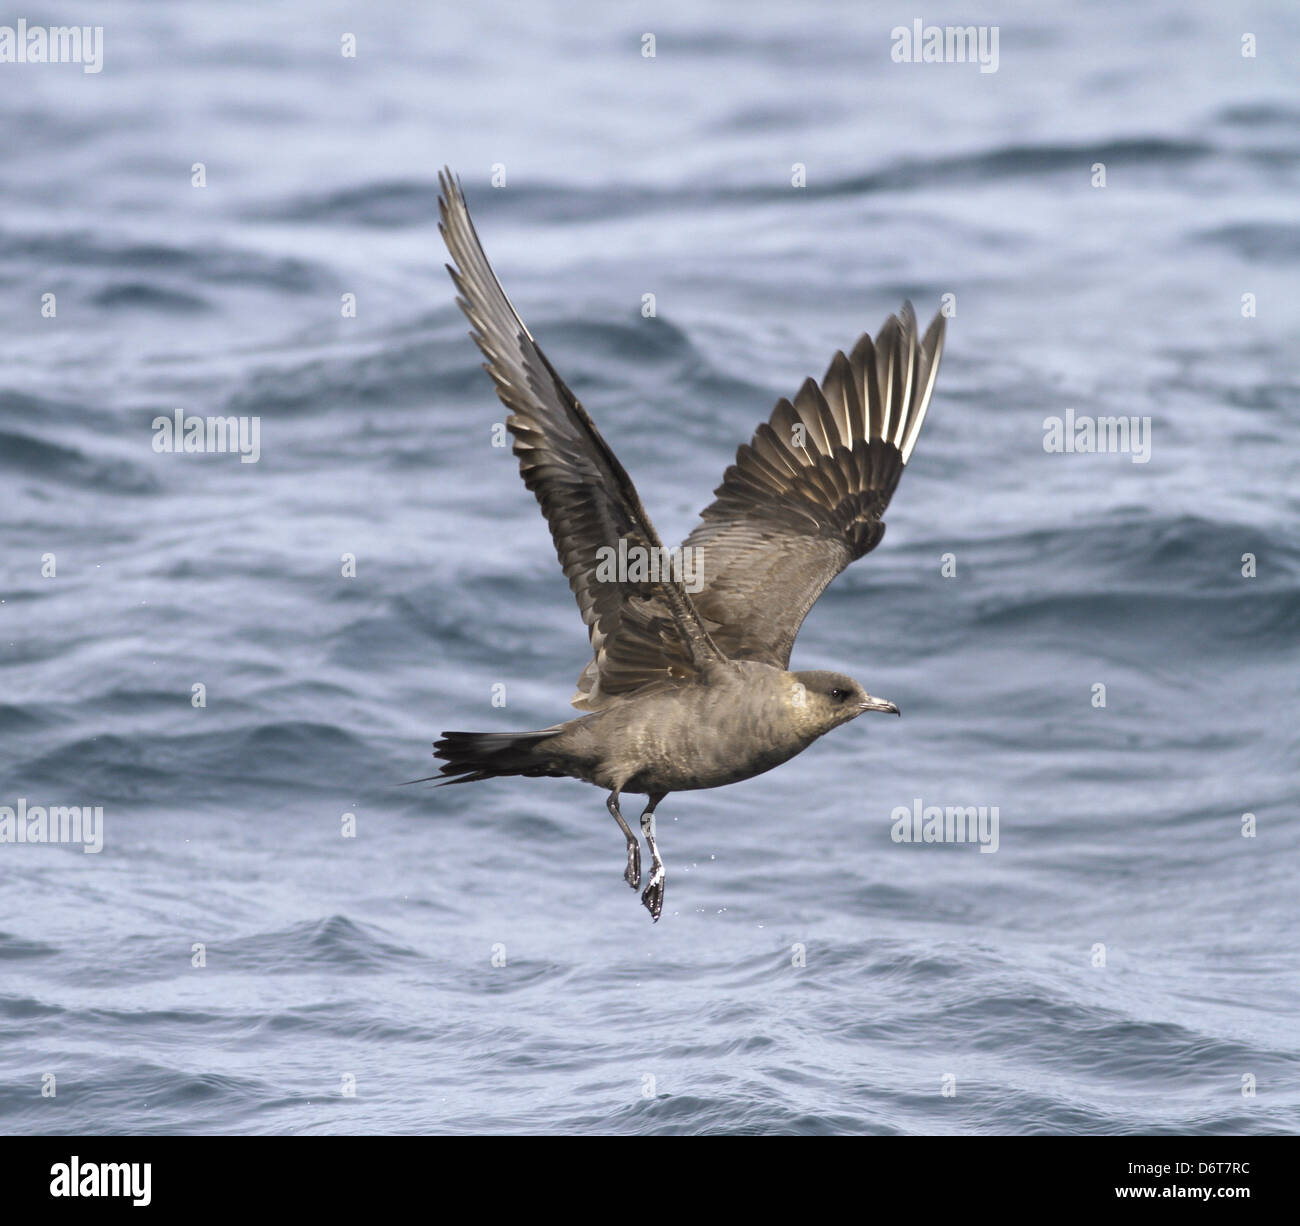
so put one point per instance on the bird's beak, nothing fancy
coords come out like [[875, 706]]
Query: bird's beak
[[879, 704]]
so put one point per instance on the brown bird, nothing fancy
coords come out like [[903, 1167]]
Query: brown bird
[[688, 686]]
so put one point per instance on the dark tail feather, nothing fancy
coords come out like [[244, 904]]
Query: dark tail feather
[[468, 756]]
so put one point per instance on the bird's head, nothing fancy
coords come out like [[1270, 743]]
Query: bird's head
[[821, 701]]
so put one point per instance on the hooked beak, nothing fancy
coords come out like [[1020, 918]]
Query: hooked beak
[[879, 704]]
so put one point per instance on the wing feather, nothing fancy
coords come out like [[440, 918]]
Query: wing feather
[[805, 497], [644, 633]]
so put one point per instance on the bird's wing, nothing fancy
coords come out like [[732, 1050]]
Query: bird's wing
[[644, 630], [805, 497]]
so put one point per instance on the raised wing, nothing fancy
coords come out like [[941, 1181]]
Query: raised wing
[[644, 629], [805, 497]]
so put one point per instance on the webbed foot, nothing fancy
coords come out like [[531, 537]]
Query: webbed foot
[[653, 895]]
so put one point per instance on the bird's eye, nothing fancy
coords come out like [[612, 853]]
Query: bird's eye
[[839, 695]]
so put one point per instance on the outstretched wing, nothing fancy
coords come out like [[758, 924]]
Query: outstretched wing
[[805, 497], [644, 631]]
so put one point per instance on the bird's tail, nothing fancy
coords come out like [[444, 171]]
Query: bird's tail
[[468, 756]]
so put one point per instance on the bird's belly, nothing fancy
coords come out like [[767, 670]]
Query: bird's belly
[[703, 755], [712, 775]]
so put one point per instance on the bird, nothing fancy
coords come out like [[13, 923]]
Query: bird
[[689, 684]]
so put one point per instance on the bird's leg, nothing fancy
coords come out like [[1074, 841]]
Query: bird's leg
[[653, 895], [632, 875]]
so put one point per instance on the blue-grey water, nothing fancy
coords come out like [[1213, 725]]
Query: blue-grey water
[[1126, 962]]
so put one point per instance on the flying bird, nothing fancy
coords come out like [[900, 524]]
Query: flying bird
[[687, 688]]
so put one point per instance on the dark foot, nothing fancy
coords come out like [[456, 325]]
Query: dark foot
[[653, 895], [633, 874]]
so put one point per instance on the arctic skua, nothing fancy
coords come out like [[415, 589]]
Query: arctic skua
[[689, 685]]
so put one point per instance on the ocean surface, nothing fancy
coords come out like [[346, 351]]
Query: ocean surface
[[471, 961]]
